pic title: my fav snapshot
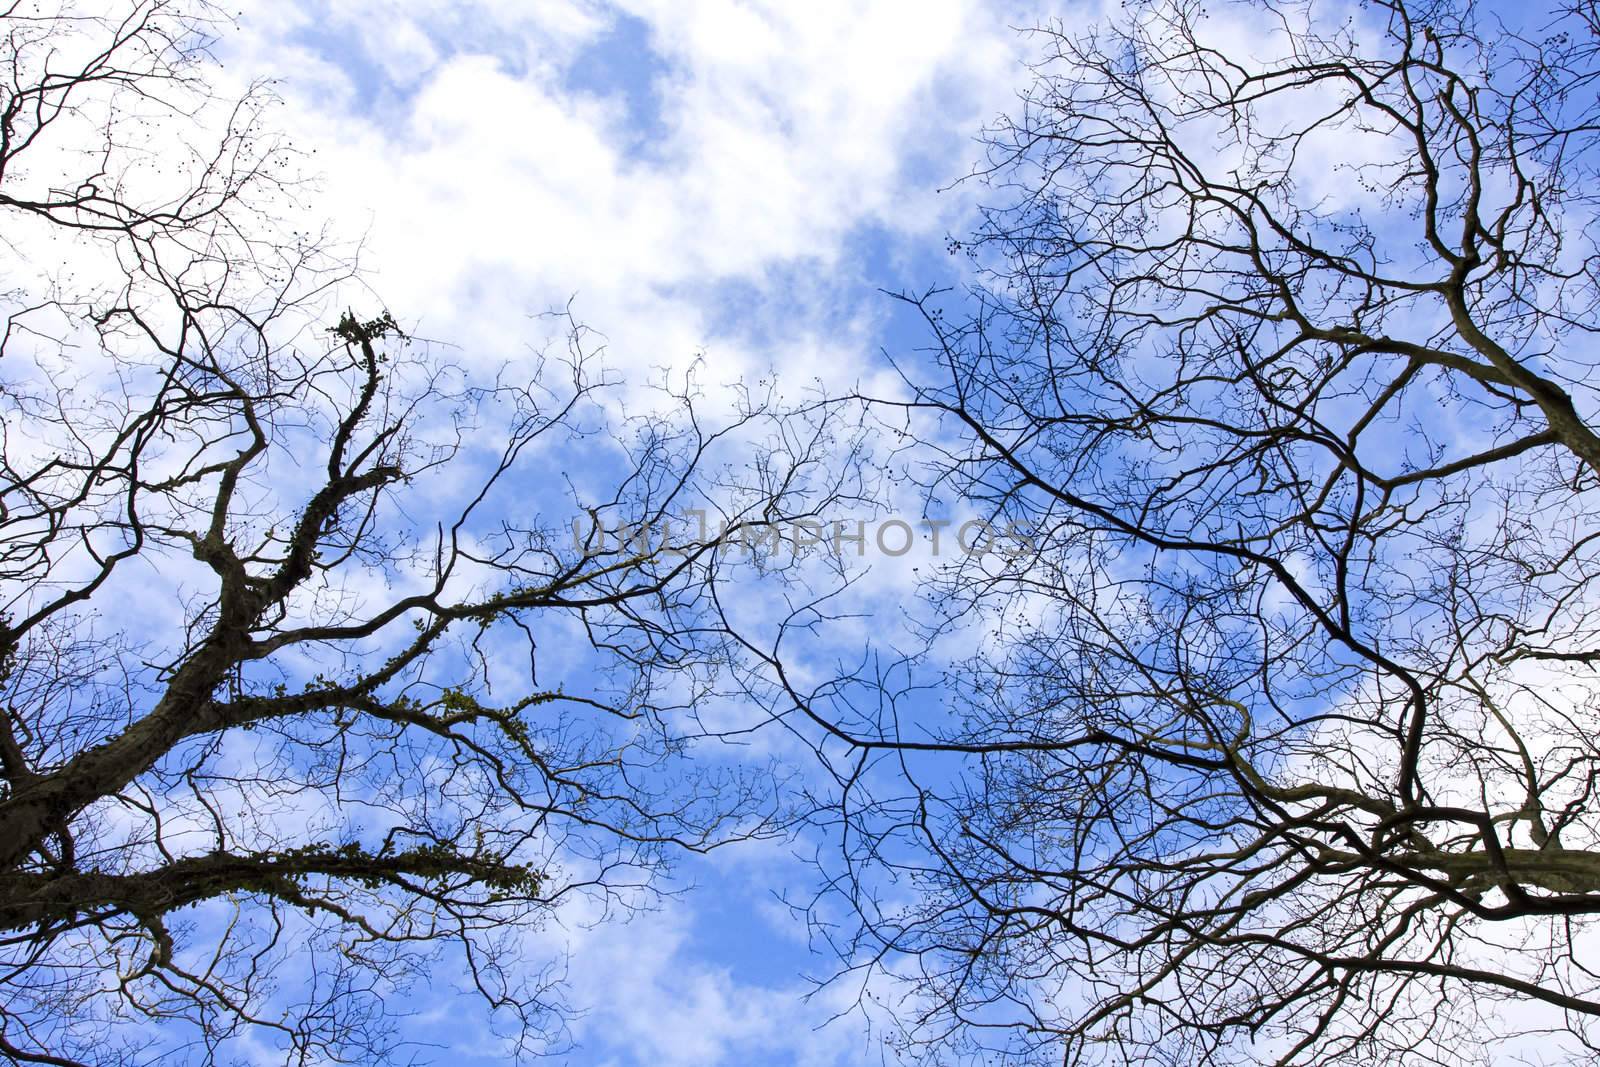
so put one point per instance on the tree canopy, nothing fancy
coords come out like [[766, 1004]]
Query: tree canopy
[[303, 698], [1282, 749]]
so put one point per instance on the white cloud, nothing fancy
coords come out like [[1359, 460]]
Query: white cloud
[[490, 189], [654, 997]]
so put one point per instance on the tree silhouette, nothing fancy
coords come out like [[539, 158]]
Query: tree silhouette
[[303, 704], [1282, 748]]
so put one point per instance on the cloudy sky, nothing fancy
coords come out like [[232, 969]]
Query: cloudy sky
[[732, 181]]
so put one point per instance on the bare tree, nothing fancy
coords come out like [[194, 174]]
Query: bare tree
[[1282, 747], [303, 702]]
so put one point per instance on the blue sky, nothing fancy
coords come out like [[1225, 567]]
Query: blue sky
[[727, 181], [719, 189], [732, 183]]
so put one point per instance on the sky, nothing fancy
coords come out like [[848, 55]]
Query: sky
[[727, 182], [723, 187]]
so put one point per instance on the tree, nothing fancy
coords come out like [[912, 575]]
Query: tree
[[1282, 748], [301, 696]]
